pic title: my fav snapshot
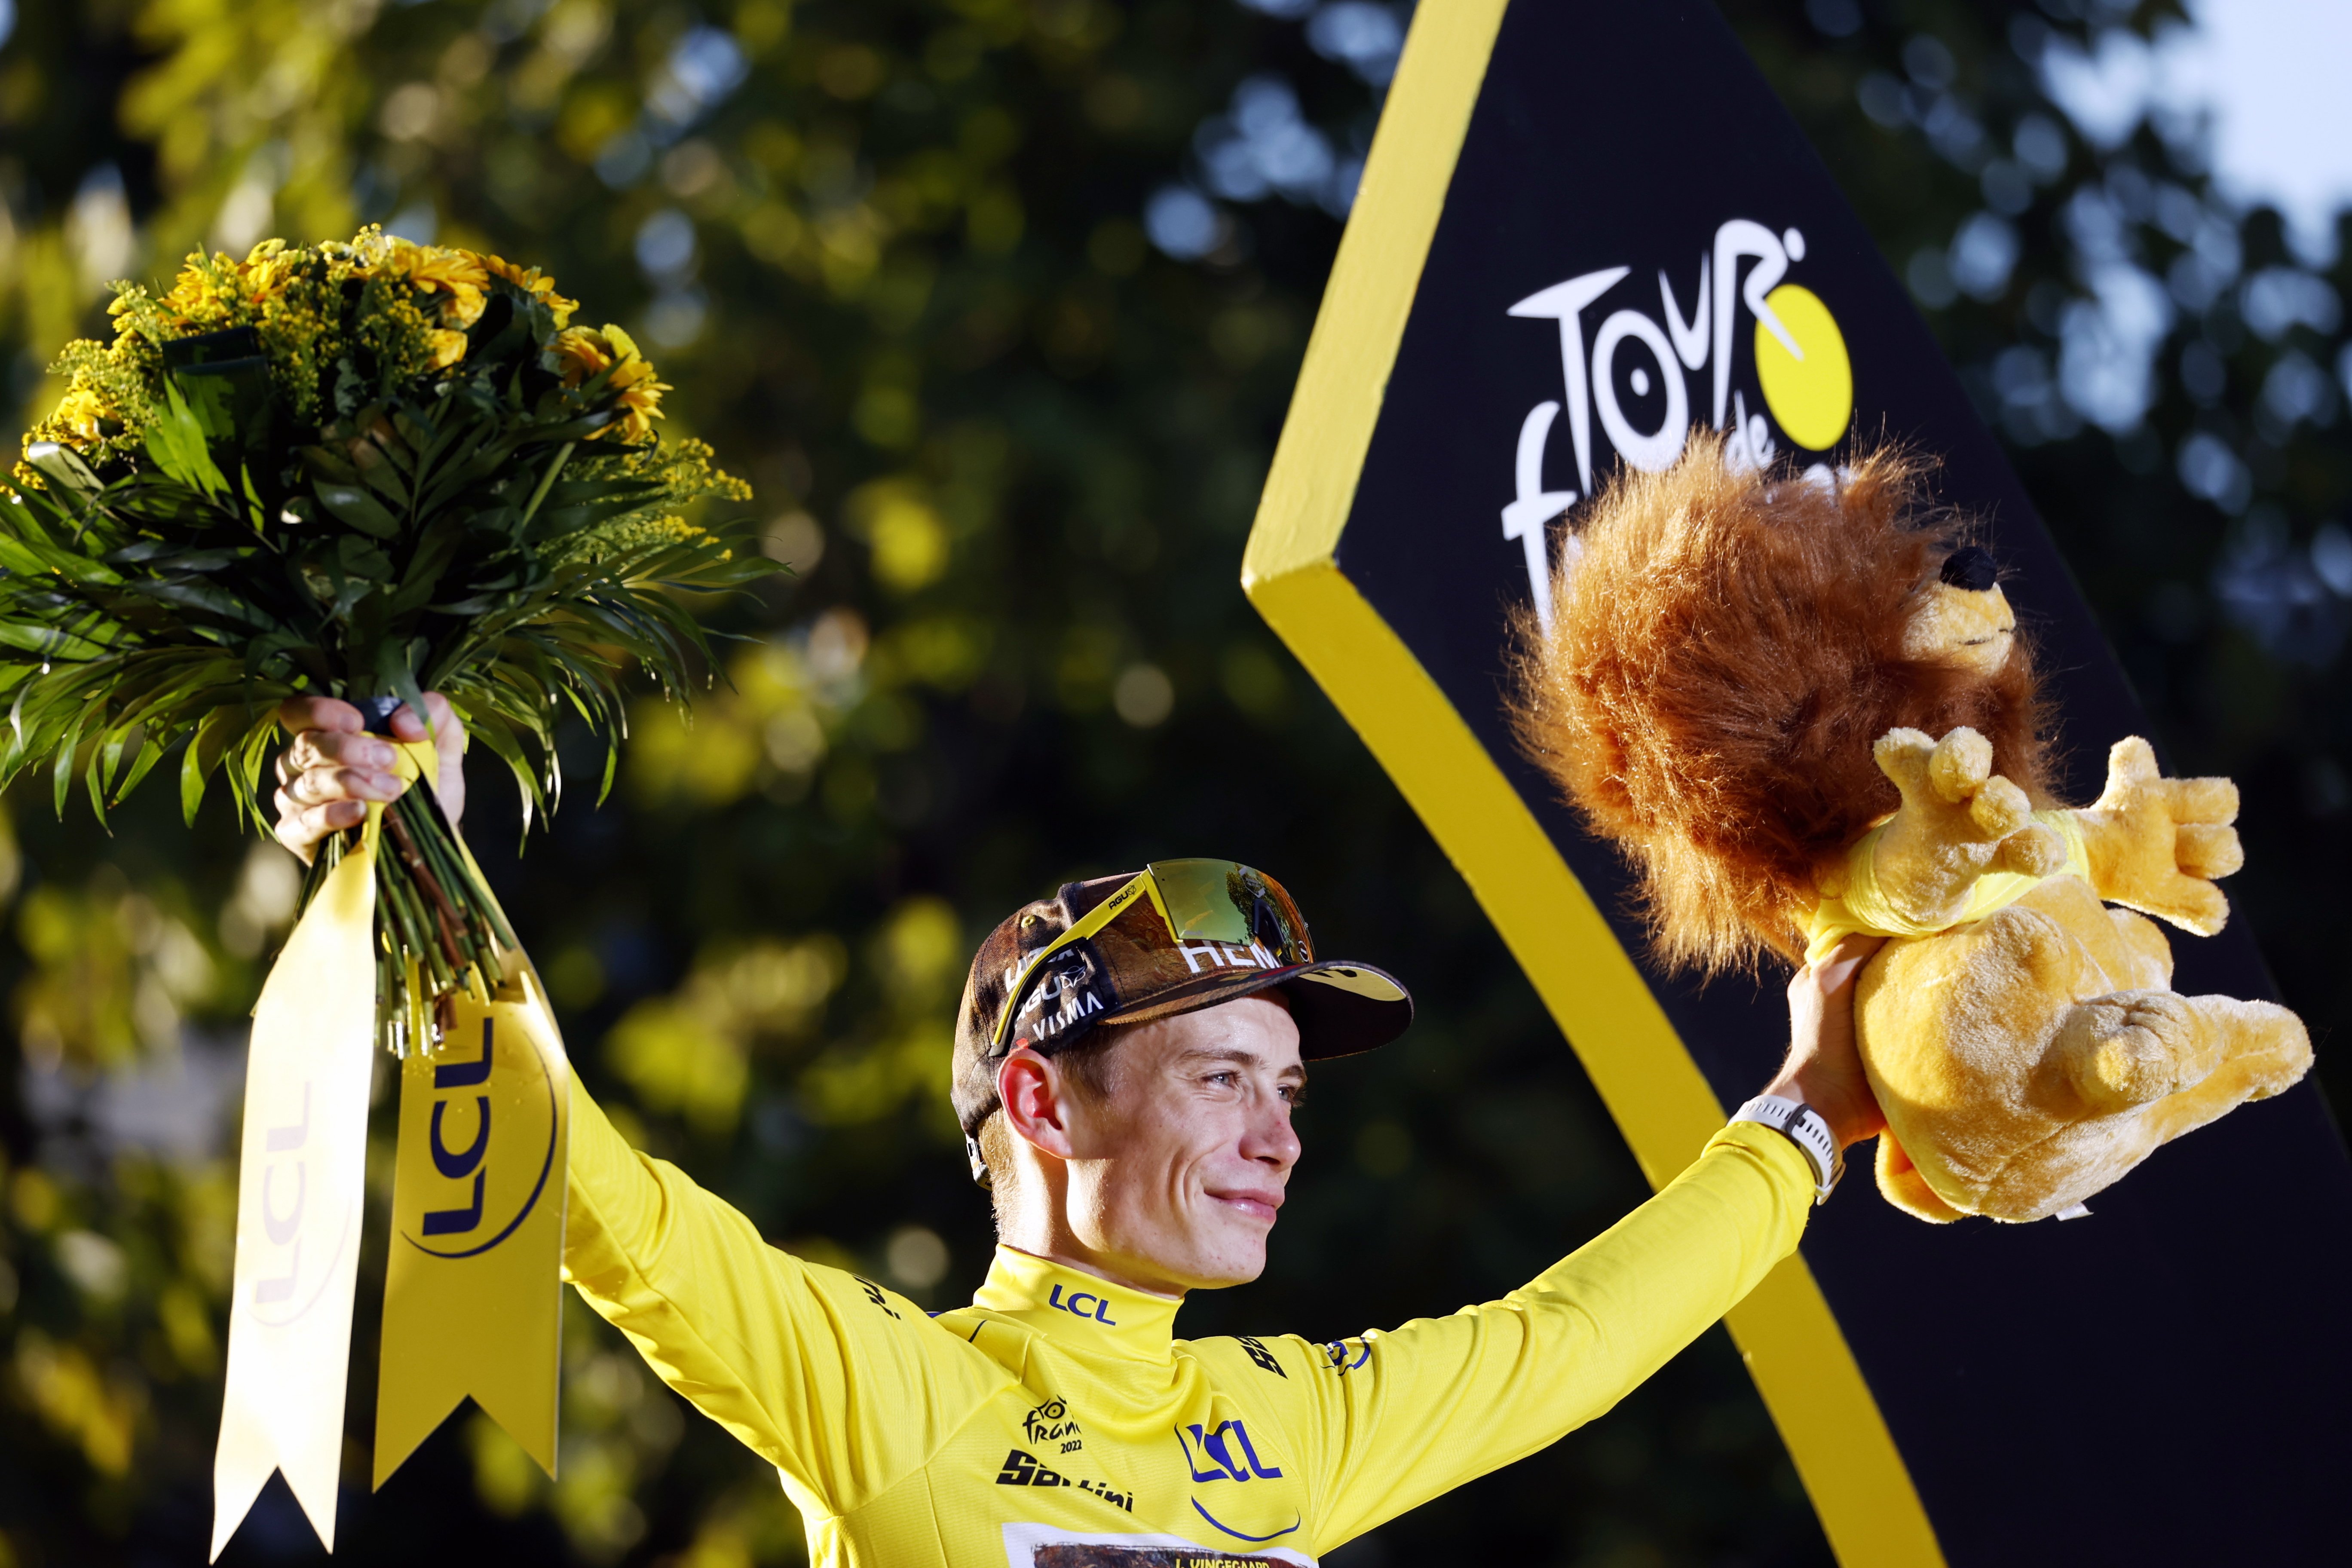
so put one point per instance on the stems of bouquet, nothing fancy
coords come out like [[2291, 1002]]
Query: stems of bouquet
[[438, 931]]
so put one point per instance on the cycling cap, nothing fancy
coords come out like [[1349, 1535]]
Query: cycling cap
[[1174, 937]]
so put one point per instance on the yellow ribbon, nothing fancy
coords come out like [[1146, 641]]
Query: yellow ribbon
[[301, 1188], [472, 1294]]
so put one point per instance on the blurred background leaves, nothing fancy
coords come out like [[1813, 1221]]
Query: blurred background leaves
[[998, 303]]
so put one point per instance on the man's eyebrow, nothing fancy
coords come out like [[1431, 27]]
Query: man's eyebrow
[[1241, 1056]]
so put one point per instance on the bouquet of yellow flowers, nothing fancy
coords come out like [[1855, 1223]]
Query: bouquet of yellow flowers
[[359, 470]]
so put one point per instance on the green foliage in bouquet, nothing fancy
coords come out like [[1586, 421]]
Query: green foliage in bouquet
[[362, 470]]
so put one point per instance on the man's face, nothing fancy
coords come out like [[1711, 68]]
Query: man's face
[[1176, 1174]]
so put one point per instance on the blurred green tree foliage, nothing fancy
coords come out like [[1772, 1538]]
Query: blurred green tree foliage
[[999, 302]]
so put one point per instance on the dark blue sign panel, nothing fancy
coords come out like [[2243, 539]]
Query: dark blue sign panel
[[1636, 242]]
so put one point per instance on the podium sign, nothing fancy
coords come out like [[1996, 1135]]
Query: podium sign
[[1584, 231]]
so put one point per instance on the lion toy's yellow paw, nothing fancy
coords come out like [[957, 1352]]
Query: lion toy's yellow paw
[[1959, 821], [2156, 844]]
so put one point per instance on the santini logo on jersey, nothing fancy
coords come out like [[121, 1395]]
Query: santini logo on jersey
[[1023, 1470]]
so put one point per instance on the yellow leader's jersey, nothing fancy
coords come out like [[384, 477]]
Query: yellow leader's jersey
[[1057, 1423]]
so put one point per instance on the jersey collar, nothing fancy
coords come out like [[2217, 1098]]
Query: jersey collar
[[1078, 1310]]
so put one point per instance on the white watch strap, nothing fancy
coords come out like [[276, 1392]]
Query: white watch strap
[[1806, 1128]]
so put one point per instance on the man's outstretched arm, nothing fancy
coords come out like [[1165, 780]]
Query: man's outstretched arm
[[842, 1386], [1401, 1416]]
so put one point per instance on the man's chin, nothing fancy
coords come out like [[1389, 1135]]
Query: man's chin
[[1239, 1261], [1222, 1276]]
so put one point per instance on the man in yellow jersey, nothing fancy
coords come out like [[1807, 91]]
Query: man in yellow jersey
[[1127, 1060]]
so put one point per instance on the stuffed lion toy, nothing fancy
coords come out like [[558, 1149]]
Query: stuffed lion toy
[[1802, 708]]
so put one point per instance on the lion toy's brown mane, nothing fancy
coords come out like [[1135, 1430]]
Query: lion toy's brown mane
[[1726, 646]]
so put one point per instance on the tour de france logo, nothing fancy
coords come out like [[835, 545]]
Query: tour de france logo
[[490, 1135], [1677, 366]]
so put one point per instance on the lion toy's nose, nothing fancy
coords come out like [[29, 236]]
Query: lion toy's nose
[[1970, 568]]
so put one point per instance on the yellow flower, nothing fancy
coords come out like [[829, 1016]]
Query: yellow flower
[[640, 399], [582, 354], [79, 412], [188, 292], [437, 269], [207, 287], [367, 249], [630, 534], [266, 270], [535, 283], [449, 347]]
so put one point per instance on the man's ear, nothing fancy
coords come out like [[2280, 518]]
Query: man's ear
[[1034, 1107]]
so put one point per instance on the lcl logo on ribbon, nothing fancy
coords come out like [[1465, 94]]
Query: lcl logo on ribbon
[[490, 1177], [477, 1222]]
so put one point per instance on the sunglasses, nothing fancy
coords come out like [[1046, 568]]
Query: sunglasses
[[1197, 900]]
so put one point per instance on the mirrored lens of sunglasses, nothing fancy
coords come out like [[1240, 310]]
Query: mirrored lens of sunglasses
[[1220, 900], [1297, 945], [1200, 898]]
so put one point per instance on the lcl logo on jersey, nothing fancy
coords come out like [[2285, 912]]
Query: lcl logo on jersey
[[1083, 1304], [1213, 1446], [1802, 368]]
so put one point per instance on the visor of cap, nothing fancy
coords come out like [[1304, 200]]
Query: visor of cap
[[1341, 1006]]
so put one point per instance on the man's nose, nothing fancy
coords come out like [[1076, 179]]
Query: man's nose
[[1271, 1138]]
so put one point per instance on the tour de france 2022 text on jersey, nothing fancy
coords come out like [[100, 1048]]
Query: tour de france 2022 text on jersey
[[1057, 1423]]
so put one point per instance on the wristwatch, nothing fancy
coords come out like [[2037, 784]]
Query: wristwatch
[[1802, 1125]]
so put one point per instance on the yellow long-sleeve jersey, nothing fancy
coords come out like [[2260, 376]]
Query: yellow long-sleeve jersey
[[1057, 1423]]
